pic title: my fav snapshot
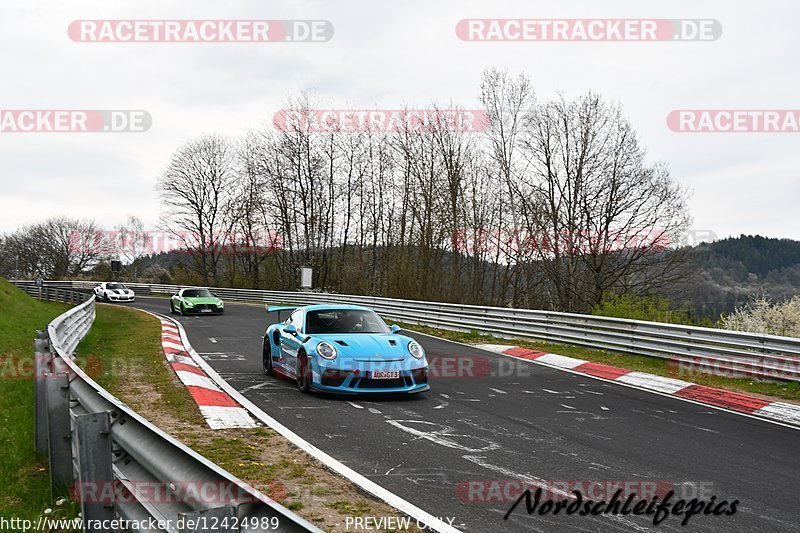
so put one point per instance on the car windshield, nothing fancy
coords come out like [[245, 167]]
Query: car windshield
[[115, 286], [344, 321], [197, 293]]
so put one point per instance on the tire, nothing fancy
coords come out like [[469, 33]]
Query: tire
[[266, 359], [180, 309], [171, 308], [303, 373]]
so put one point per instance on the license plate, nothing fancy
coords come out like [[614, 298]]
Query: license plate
[[205, 310], [383, 374]]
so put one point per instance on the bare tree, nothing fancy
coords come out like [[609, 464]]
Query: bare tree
[[255, 235], [56, 248], [509, 102], [195, 191], [457, 151], [131, 241], [597, 212]]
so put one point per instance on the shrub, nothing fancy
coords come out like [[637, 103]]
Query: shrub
[[649, 308], [760, 315]]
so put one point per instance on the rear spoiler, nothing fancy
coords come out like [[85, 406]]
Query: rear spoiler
[[279, 308]]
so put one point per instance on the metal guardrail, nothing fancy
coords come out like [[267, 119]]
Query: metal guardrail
[[120, 466], [705, 349]]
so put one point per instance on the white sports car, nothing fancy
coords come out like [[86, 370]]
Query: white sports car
[[114, 292]]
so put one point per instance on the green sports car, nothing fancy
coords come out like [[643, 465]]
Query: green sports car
[[196, 302]]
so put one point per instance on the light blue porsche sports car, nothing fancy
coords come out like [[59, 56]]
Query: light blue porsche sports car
[[343, 349]]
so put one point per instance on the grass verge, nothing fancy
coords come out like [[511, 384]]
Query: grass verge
[[24, 476], [787, 391], [124, 350]]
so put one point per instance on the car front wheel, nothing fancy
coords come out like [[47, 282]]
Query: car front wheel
[[266, 356], [303, 373]]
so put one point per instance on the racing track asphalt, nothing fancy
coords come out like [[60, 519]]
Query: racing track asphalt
[[519, 421]]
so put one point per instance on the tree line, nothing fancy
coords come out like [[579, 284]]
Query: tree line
[[552, 205]]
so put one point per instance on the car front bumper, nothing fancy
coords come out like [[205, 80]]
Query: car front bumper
[[121, 298], [203, 309], [349, 377]]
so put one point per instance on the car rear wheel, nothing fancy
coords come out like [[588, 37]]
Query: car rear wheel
[[266, 356], [303, 373]]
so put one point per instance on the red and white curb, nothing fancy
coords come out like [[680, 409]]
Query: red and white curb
[[786, 413], [217, 407]]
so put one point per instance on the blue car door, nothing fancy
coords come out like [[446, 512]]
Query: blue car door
[[290, 343]]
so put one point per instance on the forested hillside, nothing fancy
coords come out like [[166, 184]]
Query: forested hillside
[[758, 255], [733, 270]]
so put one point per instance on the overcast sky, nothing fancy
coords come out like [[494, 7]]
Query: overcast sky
[[390, 54]]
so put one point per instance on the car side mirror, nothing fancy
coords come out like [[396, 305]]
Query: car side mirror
[[290, 329], [395, 328]]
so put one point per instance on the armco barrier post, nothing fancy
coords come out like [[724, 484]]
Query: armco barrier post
[[92, 432], [58, 431], [41, 366]]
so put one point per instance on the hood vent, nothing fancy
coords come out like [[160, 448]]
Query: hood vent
[[392, 342], [341, 343]]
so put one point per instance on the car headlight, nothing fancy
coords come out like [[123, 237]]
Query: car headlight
[[219, 304], [416, 350], [189, 304], [326, 351]]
